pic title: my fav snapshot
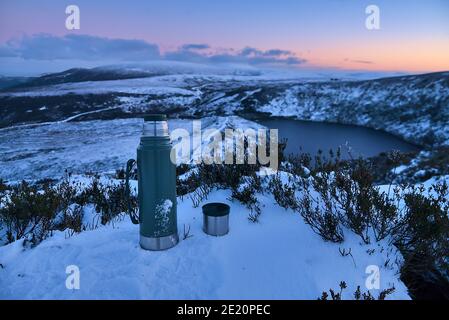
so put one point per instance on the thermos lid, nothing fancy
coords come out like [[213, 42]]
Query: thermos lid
[[216, 209], [155, 117], [155, 125]]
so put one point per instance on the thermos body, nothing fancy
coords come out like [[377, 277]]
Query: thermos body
[[156, 186], [157, 194]]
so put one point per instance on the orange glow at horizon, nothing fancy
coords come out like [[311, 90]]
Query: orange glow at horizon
[[409, 56]]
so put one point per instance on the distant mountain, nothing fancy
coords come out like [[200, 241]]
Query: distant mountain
[[414, 107], [9, 82], [127, 71], [78, 75]]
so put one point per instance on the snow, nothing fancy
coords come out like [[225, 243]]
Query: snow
[[277, 258], [162, 216], [414, 108], [154, 85], [46, 151], [172, 78], [399, 169]]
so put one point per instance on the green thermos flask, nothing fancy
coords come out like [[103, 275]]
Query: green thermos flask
[[156, 175]]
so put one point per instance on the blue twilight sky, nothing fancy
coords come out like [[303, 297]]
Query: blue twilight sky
[[320, 34]]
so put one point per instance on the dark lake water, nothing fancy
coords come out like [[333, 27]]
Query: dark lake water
[[313, 136]]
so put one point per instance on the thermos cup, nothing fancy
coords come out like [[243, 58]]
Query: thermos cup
[[156, 175]]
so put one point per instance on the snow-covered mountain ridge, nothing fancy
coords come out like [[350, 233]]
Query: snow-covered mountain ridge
[[415, 108]]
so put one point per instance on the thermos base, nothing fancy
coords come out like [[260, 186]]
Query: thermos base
[[159, 243]]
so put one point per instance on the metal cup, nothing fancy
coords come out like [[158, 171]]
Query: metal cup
[[216, 218]]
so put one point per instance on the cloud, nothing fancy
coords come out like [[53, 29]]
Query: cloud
[[6, 52], [362, 61], [195, 46], [247, 55], [92, 48], [186, 55], [80, 47], [359, 61], [277, 52], [272, 56], [248, 51]]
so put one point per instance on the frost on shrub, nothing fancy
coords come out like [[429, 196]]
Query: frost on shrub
[[284, 193], [246, 195], [108, 199], [322, 219], [29, 211], [33, 211], [343, 194], [242, 179], [422, 234], [71, 218]]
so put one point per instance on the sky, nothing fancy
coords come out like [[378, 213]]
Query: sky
[[306, 35]]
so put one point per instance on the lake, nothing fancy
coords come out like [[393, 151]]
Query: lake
[[314, 136]]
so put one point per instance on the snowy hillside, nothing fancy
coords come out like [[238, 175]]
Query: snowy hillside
[[278, 258], [413, 107], [46, 151]]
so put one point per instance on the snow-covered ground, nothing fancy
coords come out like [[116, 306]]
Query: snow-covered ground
[[156, 85], [172, 78], [46, 151], [278, 258]]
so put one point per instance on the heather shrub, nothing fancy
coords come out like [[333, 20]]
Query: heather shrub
[[321, 217], [33, 211], [29, 211], [109, 200], [3, 188], [343, 194], [246, 195], [422, 235], [284, 193], [358, 294], [415, 219]]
